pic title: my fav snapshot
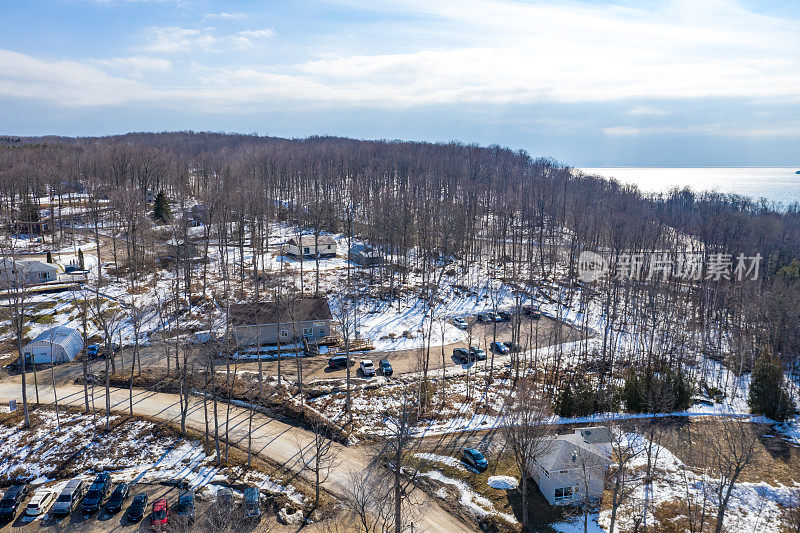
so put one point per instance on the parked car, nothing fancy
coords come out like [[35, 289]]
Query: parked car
[[69, 498], [11, 500], [97, 491], [386, 367], [136, 510], [483, 318], [93, 350], [160, 513], [117, 498], [252, 502], [475, 459], [461, 354], [367, 368], [499, 347], [477, 353], [505, 315], [513, 346], [184, 509], [496, 317], [460, 323], [337, 361], [42, 499]]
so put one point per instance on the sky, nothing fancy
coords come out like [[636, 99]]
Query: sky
[[589, 83]]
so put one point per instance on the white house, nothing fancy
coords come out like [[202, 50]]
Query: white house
[[59, 345], [572, 463], [310, 246], [27, 272]]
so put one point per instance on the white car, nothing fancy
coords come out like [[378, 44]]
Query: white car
[[41, 502], [367, 368]]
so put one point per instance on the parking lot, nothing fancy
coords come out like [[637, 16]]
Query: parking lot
[[533, 334], [211, 514]]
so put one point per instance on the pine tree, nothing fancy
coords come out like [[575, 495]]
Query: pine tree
[[161, 210], [768, 395], [81, 262]]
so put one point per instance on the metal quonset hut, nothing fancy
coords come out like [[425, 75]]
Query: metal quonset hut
[[62, 342]]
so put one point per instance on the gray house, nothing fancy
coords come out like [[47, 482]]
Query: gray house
[[364, 255], [265, 323], [27, 272], [571, 462], [310, 246]]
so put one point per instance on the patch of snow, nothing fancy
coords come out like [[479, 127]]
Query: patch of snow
[[503, 482]]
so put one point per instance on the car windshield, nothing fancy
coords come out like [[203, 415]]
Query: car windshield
[[93, 493], [65, 498], [160, 515]]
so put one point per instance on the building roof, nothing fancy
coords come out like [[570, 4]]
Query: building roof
[[564, 452], [364, 250], [309, 240], [304, 310], [595, 434], [62, 335]]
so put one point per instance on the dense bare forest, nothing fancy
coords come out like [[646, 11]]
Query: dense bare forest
[[439, 207]]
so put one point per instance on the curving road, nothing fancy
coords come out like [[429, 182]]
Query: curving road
[[273, 440]]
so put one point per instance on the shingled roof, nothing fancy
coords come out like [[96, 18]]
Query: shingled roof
[[304, 310]]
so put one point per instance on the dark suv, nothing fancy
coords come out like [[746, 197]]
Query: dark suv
[[337, 361], [11, 500], [386, 368], [117, 498], [97, 491]]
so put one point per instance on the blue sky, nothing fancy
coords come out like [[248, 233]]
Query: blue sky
[[638, 83]]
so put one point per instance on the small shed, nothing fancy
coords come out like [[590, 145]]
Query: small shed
[[58, 345], [364, 255]]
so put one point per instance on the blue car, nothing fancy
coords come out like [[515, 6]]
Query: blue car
[[475, 459], [499, 347], [93, 350]]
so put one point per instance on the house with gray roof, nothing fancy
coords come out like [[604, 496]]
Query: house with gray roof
[[267, 323], [572, 467]]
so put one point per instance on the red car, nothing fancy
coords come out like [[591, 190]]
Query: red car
[[160, 514]]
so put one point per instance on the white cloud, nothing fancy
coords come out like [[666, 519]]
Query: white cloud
[[244, 39], [137, 64], [67, 83], [171, 39], [225, 16]]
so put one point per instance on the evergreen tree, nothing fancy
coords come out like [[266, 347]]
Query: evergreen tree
[[768, 395], [161, 211], [81, 262]]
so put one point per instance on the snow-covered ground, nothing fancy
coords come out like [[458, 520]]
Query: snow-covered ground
[[478, 505], [753, 506], [135, 451]]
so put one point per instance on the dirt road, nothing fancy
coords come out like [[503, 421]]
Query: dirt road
[[273, 440]]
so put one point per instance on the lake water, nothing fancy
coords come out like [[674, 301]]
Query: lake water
[[774, 184]]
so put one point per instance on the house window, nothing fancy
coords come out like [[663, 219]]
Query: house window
[[307, 332], [563, 494], [307, 250], [322, 332], [284, 333], [329, 247]]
